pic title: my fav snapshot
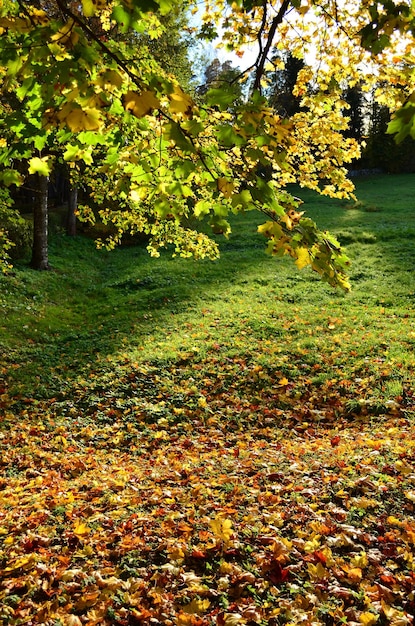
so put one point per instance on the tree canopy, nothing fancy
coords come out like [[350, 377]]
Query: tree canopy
[[78, 84]]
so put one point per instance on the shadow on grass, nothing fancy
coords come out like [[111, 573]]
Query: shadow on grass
[[94, 304]]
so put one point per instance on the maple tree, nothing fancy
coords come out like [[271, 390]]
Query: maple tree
[[72, 89]]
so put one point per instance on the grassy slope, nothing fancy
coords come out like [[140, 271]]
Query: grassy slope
[[158, 398]]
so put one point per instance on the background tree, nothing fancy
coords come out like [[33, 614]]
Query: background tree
[[222, 76], [282, 84], [381, 151], [354, 98]]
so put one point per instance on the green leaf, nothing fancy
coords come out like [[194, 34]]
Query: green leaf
[[148, 6], [221, 98], [403, 122], [201, 208], [11, 177], [25, 87], [40, 140], [219, 225], [122, 17], [228, 137], [71, 153], [172, 132], [91, 138], [193, 127], [242, 199], [184, 169], [165, 6]]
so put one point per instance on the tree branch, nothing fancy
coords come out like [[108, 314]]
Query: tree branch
[[264, 50], [66, 11]]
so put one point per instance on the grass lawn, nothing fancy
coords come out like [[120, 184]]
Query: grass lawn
[[230, 442]]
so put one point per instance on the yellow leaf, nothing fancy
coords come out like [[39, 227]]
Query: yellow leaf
[[317, 572], [82, 119], [111, 78], [66, 34], [159, 434], [180, 102], [232, 619], [403, 467], [38, 16], [221, 528], [81, 528], [88, 7], [368, 619], [197, 606], [61, 440], [353, 573], [176, 553], [42, 166], [395, 617], [364, 503], [312, 545], [141, 104], [24, 562], [225, 186], [360, 560], [303, 258], [270, 229], [72, 620], [184, 619]]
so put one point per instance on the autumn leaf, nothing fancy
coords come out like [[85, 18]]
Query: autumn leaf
[[317, 572], [180, 102], [66, 35], [225, 186], [72, 620], [84, 119], [22, 562], [89, 7], [221, 528], [197, 606], [40, 165], [230, 619], [141, 104], [368, 619], [81, 529], [303, 258]]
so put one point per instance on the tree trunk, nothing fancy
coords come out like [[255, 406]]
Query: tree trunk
[[40, 259], [71, 217]]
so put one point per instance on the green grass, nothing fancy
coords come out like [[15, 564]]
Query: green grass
[[98, 309], [204, 443]]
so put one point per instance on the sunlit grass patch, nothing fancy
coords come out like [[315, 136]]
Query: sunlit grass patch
[[122, 307]]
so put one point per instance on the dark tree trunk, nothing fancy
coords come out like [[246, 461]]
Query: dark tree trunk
[[71, 217], [40, 259]]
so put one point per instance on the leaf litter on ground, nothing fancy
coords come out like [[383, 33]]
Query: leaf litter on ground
[[201, 494]]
